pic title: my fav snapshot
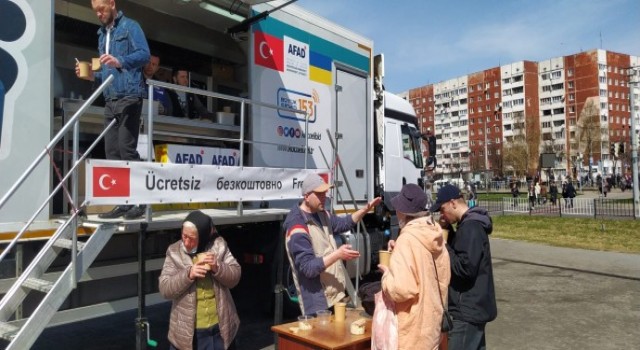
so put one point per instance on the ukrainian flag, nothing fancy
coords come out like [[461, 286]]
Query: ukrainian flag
[[320, 68]]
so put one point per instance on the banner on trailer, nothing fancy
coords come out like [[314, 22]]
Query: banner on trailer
[[120, 182]]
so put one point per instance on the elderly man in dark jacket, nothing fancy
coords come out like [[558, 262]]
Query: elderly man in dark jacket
[[472, 300]]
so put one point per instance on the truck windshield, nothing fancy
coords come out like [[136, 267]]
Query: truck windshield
[[411, 149]]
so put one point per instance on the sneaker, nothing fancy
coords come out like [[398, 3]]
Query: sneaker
[[116, 212], [135, 212]]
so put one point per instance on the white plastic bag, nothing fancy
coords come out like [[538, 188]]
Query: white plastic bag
[[384, 327]]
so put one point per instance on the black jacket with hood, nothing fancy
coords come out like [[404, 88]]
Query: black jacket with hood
[[471, 292]]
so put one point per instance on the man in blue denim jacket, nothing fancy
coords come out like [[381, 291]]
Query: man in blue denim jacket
[[123, 52]]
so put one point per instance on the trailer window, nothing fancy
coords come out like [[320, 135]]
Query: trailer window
[[411, 149]]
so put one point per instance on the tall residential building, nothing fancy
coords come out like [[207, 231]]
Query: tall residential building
[[574, 110]]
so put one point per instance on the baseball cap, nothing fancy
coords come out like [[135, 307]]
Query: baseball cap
[[314, 183], [445, 194], [410, 200]]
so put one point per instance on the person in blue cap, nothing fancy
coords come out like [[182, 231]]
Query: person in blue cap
[[472, 299]]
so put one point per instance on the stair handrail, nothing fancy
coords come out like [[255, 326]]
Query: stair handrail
[[55, 140], [71, 171], [27, 272]]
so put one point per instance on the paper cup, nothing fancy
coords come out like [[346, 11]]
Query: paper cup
[[340, 310], [201, 257], [384, 255], [95, 64], [85, 68]]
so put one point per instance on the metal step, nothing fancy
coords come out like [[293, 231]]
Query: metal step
[[67, 244], [55, 292], [8, 331], [38, 284]]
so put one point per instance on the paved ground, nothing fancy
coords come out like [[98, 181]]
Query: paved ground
[[548, 298]]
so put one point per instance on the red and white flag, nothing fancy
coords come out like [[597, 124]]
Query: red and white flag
[[111, 182], [268, 51]]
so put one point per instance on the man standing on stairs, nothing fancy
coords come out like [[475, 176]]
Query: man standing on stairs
[[123, 53]]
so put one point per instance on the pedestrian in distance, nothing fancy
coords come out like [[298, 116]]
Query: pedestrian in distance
[[419, 272], [472, 300], [532, 196], [197, 275], [315, 257], [553, 190], [123, 53], [515, 193]]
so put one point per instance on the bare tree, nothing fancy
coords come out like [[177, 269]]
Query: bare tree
[[515, 152], [589, 134]]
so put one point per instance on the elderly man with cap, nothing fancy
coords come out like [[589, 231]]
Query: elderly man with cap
[[472, 299], [418, 274], [197, 274], [311, 247]]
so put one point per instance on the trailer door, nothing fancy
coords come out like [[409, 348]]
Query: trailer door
[[353, 123]]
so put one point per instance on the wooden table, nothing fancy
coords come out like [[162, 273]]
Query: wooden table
[[331, 336]]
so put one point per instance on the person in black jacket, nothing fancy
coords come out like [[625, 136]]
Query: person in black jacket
[[186, 105], [472, 300]]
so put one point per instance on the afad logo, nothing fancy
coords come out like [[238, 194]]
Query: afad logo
[[111, 182], [199, 158]]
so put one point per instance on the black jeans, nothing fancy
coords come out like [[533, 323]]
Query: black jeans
[[121, 141], [467, 336]]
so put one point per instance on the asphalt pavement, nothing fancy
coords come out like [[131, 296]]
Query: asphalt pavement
[[548, 298]]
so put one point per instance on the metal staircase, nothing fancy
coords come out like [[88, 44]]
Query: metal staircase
[[23, 333]]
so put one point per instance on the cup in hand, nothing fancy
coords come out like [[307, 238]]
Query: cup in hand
[[84, 69], [95, 64], [201, 257], [340, 310], [384, 256]]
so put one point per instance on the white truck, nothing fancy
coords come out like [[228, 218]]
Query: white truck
[[294, 82]]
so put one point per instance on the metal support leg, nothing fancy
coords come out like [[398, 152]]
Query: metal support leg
[[141, 320]]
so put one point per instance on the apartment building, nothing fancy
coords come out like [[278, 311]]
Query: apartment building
[[479, 116]]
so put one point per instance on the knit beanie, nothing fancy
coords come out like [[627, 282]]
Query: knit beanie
[[203, 224]]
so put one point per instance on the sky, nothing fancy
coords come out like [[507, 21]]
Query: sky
[[429, 41]]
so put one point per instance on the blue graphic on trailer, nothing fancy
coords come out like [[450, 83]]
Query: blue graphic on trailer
[[13, 24]]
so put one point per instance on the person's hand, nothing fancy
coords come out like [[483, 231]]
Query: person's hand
[[90, 77], [383, 268], [110, 61], [210, 259], [346, 253], [391, 245], [198, 270], [374, 203]]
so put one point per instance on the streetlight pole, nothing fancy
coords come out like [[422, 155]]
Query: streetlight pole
[[486, 158], [633, 83]]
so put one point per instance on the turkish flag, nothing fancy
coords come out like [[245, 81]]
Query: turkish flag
[[268, 51], [111, 182]]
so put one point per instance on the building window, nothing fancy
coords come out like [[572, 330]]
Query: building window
[[571, 85], [570, 72]]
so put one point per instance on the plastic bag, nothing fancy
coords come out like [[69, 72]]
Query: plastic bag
[[384, 326]]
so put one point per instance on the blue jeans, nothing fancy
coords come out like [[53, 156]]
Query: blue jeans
[[467, 336], [206, 339]]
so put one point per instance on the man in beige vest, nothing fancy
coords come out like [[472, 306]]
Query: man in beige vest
[[312, 250]]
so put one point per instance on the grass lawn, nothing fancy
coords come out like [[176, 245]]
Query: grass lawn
[[586, 233]]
